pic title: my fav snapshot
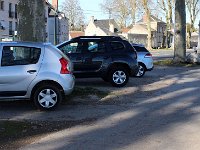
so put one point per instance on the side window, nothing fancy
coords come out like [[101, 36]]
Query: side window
[[96, 47], [71, 48], [117, 46], [19, 55]]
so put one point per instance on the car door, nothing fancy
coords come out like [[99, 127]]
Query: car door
[[95, 56], [19, 66], [74, 51]]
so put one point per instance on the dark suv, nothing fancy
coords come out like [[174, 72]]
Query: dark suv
[[109, 57]]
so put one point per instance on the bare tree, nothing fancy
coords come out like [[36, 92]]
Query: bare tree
[[133, 8], [193, 7], [74, 12], [167, 7], [180, 31], [31, 14], [147, 12], [119, 10]]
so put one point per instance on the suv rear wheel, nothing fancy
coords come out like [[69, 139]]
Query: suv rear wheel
[[118, 76], [47, 97]]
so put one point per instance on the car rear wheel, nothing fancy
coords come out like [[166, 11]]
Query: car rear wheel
[[141, 70], [47, 97], [118, 77]]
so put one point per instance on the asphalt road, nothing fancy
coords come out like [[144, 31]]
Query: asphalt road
[[160, 54], [160, 111]]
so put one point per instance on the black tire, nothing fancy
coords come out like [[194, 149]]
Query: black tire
[[141, 71], [114, 78], [52, 94], [105, 79]]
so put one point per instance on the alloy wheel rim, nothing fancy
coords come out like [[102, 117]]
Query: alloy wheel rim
[[119, 77], [140, 71], [47, 98]]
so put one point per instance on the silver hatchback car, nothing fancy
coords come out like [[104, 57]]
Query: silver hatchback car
[[35, 71]]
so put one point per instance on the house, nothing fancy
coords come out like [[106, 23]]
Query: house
[[8, 19], [74, 34], [57, 27], [139, 32], [101, 27], [56, 22]]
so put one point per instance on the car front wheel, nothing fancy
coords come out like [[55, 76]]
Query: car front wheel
[[118, 77], [47, 97]]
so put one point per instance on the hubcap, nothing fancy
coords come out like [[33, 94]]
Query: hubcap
[[119, 77], [47, 98], [140, 71]]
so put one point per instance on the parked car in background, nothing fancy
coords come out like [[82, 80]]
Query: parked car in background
[[109, 57], [145, 60], [35, 71]]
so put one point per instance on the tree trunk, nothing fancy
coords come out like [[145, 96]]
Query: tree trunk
[[180, 33], [31, 14], [147, 13]]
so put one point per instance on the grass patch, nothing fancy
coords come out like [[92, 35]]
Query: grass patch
[[170, 62], [8, 128], [84, 92]]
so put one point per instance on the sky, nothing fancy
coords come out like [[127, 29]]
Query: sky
[[91, 8]]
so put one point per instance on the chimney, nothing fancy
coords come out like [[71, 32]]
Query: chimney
[[112, 28], [55, 4], [92, 19], [144, 18]]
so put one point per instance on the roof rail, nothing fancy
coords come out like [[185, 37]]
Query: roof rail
[[98, 37]]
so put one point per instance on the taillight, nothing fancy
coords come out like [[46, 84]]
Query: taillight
[[64, 66], [148, 55]]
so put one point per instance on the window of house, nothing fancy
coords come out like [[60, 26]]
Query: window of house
[[16, 26], [71, 48], [10, 7], [15, 11], [12, 56], [117, 46], [10, 28], [2, 5]]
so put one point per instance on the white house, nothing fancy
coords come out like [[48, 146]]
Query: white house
[[101, 27]]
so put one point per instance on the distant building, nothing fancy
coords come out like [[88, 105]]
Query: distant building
[[74, 34], [8, 19], [57, 29], [101, 27], [56, 24], [138, 33]]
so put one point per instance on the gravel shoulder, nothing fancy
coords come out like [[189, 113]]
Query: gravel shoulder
[[140, 116]]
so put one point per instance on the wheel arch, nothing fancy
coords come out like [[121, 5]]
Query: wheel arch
[[46, 82]]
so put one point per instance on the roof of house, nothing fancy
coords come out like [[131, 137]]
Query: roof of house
[[74, 34], [125, 30], [140, 29], [104, 24], [152, 19]]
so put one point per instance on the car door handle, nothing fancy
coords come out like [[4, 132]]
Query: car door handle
[[31, 71]]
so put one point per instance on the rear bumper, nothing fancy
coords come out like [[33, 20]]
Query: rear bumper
[[150, 69], [67, 82]]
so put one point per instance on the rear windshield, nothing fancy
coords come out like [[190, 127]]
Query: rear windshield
[[140, 49]]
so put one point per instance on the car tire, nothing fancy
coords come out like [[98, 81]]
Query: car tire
[[47, 97], [118, 76], [141, 70], [105, 79]]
